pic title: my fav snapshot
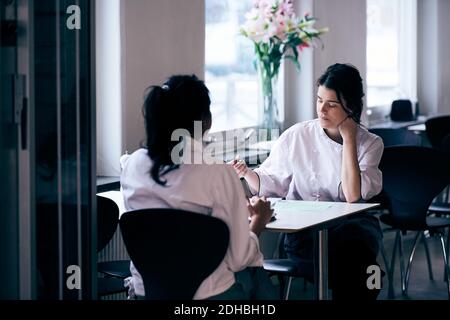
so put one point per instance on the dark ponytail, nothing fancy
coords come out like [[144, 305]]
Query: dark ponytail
[[180, 102]]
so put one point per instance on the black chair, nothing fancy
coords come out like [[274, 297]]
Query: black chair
[[438, 132], [107, 222], [402, 110], [116, 271], [437, 129], [109, 286], [446, 143], [397, 137], [412, 178], [173, 250], [392, 137], [284, 267]]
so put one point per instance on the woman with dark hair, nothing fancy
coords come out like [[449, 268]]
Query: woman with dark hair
[[155, 177], [331, 158]]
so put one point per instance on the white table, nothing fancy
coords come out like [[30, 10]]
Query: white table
[[293, 216]]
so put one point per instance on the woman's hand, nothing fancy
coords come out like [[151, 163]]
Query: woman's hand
[[348, 128], [241, 169], [260, 214], [239, 166]]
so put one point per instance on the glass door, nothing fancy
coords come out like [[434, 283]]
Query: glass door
[[11, 98], [47, 150], [64, 135]]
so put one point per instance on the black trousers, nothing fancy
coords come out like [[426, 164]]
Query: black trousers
[[353, 245]]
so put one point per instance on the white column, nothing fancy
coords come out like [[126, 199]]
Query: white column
[[108, 78]]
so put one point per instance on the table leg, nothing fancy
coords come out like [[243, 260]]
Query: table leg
[[322, 256]]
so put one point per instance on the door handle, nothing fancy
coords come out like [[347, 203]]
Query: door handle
[[24, 124], [20, 108]]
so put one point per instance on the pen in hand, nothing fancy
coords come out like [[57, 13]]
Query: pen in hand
[[239, 166]]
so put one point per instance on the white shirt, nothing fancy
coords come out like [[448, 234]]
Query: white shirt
[[208, 189], [305, 164]]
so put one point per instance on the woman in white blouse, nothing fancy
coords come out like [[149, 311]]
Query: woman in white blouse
[[331, 158], [152, 178]]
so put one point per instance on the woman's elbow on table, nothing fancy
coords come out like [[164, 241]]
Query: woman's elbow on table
[[353, 199]]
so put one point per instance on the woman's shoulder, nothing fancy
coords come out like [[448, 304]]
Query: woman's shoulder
[[219, 172], [140, 153], [136, 160], [207, 175]]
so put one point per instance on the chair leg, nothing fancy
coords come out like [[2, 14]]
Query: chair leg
[[427, 252], [448, 242], [446, 196], [389, 273], [391, 293], [448, 250], [446, 266], [282, 282], [288, 290], [411, 257], [402, 263]]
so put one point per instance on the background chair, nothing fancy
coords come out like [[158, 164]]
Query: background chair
[[393, 137], [283, 267], [438, 133], [402, 110], [437, 129], [48, 252], [412, 178], [173, 250], [107, 222]]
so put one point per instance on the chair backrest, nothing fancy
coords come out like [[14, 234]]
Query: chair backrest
[[107, 221], [401, 110], [412, 178], [173, 250], [397, 137], [445, 146], [437, 129]]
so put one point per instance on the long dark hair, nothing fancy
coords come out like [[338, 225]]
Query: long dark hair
[[181, 101], [346, 81]]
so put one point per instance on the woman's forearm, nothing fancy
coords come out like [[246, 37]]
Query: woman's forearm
[[252, 179], [351, 174]]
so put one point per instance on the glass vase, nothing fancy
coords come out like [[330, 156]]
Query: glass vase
[[268, 88]]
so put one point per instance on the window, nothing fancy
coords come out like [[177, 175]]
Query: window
[[391, 51], [229, 71]]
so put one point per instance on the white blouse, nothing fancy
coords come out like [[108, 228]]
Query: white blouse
[[208, 189], [305, 164]]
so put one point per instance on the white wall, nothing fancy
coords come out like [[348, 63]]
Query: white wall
[[299, 91], [159, 38], [427, 73], [108, 77], [344, 43]]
